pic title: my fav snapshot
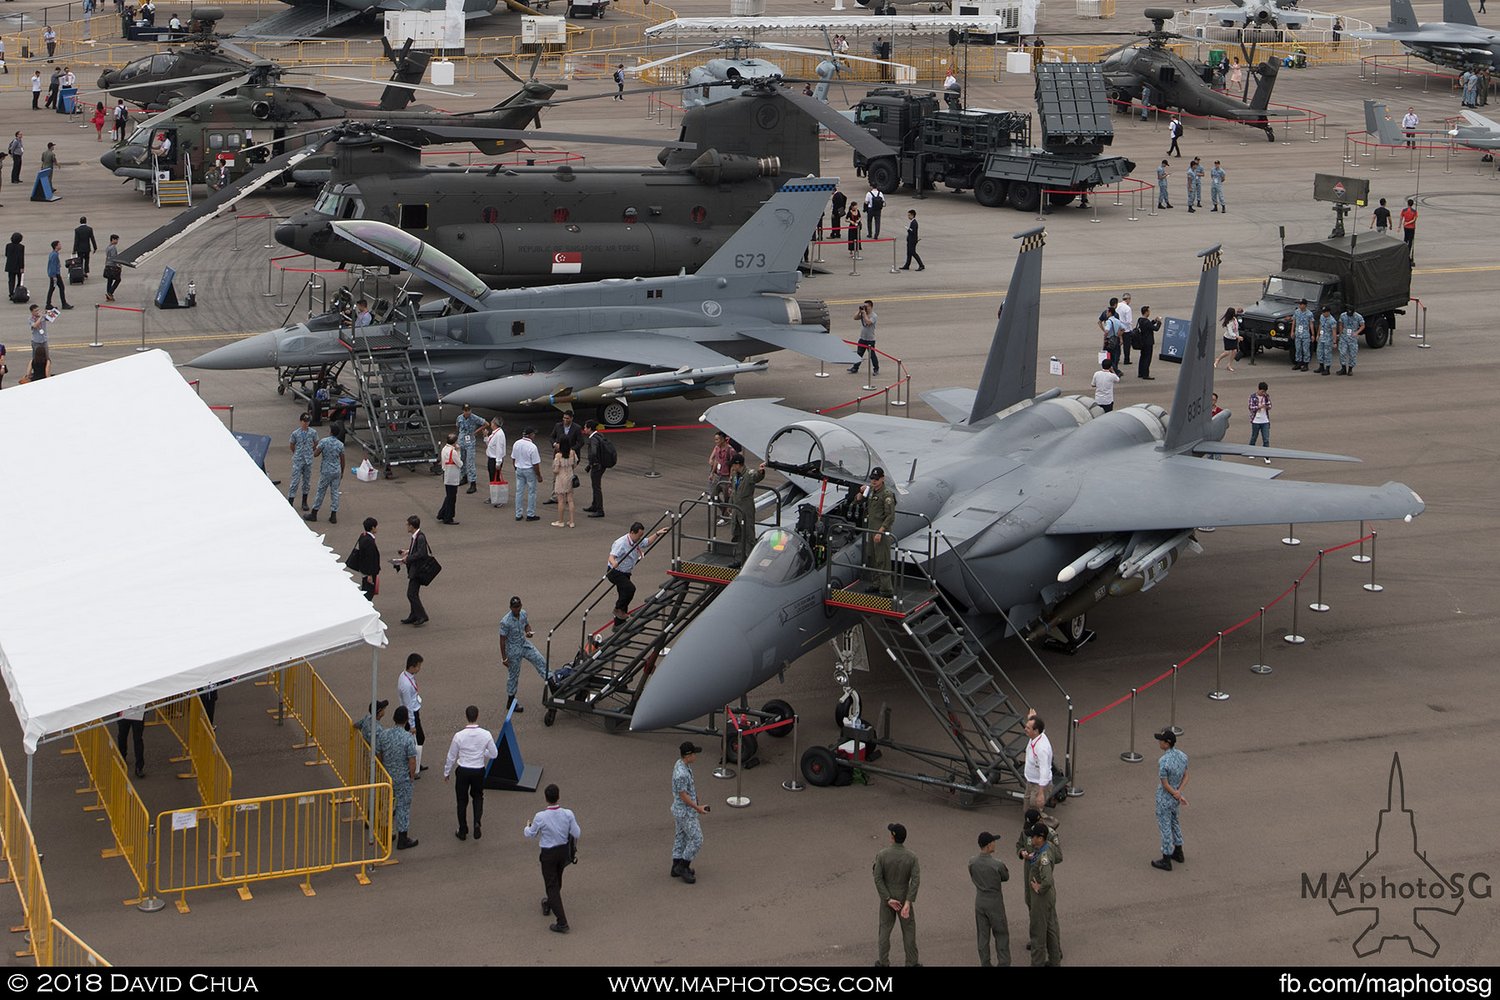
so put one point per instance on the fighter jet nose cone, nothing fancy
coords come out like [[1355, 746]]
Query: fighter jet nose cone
[[708, 666], [259, 351], [290, 234], [110, 159]]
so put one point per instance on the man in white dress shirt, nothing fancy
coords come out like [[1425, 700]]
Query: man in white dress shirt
[[1038, 763], [552, 827], [406, 690], [468, 755], [526, 458]]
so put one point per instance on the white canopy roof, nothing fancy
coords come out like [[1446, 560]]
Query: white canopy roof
[[1022, 18], [151, 560]]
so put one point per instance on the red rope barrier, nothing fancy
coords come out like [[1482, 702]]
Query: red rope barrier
[[263, 215], [861, 399], [128, 309]]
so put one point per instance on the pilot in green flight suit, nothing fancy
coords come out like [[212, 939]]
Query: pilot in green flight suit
[[742, 495], [1046, 947], [880, 515]]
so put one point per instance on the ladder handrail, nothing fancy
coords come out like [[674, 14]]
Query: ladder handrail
[[1067, 698], [602, 583]]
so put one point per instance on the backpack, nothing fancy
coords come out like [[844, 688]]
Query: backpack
[[607, 454]]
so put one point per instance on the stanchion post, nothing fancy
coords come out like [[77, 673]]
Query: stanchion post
[[282, 295], [96, 328], [269, 265], [235, 248], [270, 233], [792, 784], [1291, 536], [739, 800], [149, 902], [1218, 693], [653, 474], [1360, 556], [1372, 586], [143, 346], [1318, 605], [1130, 756], [1172, 718], [1294, 637], [724, 770], [1261, 666], [820, 373], [900, 382], [1074, 789]]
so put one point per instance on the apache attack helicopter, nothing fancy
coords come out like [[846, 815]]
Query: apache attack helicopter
[[506, 223], [1177, 83], [246, 120]]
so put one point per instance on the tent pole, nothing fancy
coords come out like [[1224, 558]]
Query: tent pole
[[30, 759], [374, 724]]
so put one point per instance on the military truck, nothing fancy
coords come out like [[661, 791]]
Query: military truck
[[990, 152], [1370, 273]]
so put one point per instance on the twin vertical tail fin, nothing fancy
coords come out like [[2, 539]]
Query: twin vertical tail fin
[[1010, 371], [1378, 123], [1192, 406], [1459, 12], [1403, 17]]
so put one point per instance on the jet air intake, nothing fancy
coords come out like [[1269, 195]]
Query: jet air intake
[[714, 167]]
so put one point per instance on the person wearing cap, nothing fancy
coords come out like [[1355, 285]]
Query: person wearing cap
[[880, 516], [468, 757], [628, 550], [469, 424], [515, 646], [1172, 778], [1351, 325], [1302, 324], [1125, 313], [330, 471], [553, 828], [1046, 941], [1328, 331], [898, 874], [987, 872], [398, 750], [742, 495], [688, 839], [301, 445], [369, 727], [1023, 847], [364, 559]]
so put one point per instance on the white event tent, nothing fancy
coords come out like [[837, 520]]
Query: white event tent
[[146, 554]]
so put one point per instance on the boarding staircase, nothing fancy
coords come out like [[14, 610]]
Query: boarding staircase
[[385, 383], [296, 23]]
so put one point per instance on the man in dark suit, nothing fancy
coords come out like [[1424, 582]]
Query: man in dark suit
[[911, 243], [840, 202], [365, 560], [1145, 342], [414, 555], [84, 243], [567, 435]]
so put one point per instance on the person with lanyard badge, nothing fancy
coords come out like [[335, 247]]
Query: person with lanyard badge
[[302, 442], [469, 425], [1216, 189], [516, 646], [1162, 201], [1302, 321], [1328, 331], [411, 700], [687, 839], [1409, 122], [330, 471], [452, 467], [494, 451], [413, 557], [556, 831], [468, 758], [627, 551], [1351, 325], [525, 458], [1172, 778], [1126, 315]]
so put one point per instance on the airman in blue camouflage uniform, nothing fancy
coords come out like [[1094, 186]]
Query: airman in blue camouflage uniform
[[1351, 325], [302, 441], [685, 812], [515, 646], [1172, 778], [330, 471], [1302, 321], [468, 427], [1328, 330]]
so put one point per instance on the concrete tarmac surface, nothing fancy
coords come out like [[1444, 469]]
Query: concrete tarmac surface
[[1288, 776]]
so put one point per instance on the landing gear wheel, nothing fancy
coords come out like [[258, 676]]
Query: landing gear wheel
[[741, 749], [840, 712], [990, 192], [281, 388], [550, 717], [1024, 197], [776, 710], [882, 174], [614, 413], [1270, 134], [819, 767]]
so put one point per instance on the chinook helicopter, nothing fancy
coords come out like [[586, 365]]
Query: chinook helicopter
[[510, 222], [224, 132], [1177, 83]]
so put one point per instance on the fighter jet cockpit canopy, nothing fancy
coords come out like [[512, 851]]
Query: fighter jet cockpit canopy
[[780, 556], [398, 247], [821, 449]]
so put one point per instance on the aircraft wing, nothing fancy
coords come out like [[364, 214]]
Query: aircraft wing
[[813, 341], [633, 347], [952, 404], [1183, 492], [1480, 121]]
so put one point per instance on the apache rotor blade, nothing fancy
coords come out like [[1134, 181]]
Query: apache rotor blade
[[396, 83], [192, 102], [176, 80]]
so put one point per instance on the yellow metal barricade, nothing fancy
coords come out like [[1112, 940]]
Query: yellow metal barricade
[[235, 843], [188, 721], [329, 728], [128, 819], [50, 942]]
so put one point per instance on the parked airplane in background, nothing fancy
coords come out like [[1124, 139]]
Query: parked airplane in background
[[1456, 41]]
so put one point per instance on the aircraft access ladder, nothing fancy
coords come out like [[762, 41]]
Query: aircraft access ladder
[[961, 683], [385, 383], [612, 664]]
